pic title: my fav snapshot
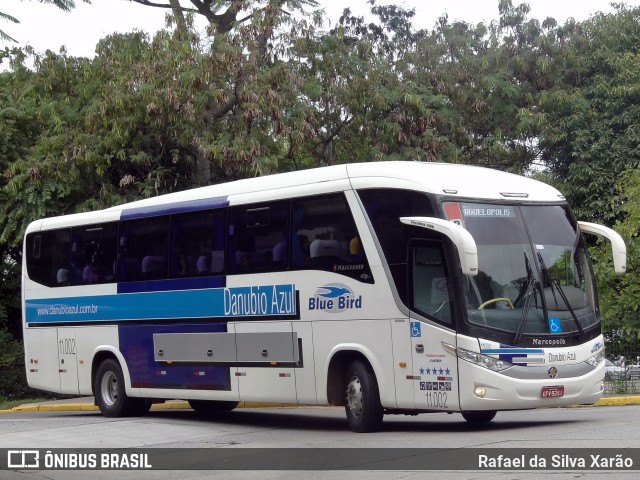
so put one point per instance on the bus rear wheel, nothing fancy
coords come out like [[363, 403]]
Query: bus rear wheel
[[479, 417], [211, 407], [362, 406], [110, 394]]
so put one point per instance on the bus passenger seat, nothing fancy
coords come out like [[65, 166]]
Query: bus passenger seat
[[152, 265], [325, 253], [279, 253], [62, 277], [202, 265], [217, 261]]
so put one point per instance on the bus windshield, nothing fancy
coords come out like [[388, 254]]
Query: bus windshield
[[534, 275]]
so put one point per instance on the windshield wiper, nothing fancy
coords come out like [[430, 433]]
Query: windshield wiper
[[553, 284], [530, 283]]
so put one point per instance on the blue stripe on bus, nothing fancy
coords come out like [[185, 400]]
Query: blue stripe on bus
[[136, 345], [178, 207], [258, 301], [510, 351]]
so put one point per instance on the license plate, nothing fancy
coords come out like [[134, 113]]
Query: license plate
[[553, 392]]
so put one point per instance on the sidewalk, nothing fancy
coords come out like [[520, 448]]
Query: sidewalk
[[86, 404]]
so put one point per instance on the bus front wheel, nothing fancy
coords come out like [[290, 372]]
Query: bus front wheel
[[363, 409], [111, 397], [478, 417]]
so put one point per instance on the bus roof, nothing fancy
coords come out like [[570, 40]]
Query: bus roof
[[464, 181], [454, 180]]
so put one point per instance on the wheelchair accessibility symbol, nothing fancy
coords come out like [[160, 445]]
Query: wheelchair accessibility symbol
[[554, 325], [415, 329]]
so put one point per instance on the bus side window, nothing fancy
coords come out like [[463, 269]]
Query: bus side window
[[93, 254], [143, 249], [197, 244], [257, 240], [384, 207], [48, 257], [324, 237]]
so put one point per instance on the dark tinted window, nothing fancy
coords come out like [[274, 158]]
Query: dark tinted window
[[93, 254], [257, 238], [384, 208], [48, 257], [324, 237], [77, 256], [143, 249], [197, 244]]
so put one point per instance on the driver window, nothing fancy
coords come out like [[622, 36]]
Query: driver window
[[430, 290]]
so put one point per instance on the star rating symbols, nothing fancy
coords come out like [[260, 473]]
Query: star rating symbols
[[435, 371]]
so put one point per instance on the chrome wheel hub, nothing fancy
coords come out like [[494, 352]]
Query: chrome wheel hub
[[109, 388], [354, 396]]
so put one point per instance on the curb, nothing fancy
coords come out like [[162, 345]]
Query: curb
[[170, 405], [618, 401], [183, 405]]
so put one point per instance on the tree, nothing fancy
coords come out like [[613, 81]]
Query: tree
[[4, 36], [590, 146], [593, 112], [146, 117], [222, 15], [620, 294]]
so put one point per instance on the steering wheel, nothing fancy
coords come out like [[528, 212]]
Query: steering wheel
[[494, 300]]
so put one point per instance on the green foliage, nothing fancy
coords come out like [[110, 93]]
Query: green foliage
[[12, 371], [620, 294], [9, 290], [591, 136]]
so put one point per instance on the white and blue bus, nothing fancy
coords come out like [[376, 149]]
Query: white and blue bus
[[385, 287]]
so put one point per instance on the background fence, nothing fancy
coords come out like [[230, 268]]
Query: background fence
[[623, 368]]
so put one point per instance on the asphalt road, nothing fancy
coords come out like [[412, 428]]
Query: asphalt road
[[250, 430]]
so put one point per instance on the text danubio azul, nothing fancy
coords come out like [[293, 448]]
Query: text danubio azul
[[260, 301]]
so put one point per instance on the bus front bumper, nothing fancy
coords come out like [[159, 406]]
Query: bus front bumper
[[483, 389]]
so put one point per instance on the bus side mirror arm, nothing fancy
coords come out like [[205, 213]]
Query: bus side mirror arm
[[618, 248], [461, 238]]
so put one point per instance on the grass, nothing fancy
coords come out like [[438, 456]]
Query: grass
[[6, 404]]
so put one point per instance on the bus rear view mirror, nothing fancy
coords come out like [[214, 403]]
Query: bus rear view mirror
[[461, 238], [618, 248]]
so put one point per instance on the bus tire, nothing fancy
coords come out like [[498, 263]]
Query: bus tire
[[139, 407], [211, 407], [362, 405], [479, 417], [110, 394]]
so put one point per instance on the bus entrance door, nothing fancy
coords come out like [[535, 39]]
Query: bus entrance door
[[430, 296]]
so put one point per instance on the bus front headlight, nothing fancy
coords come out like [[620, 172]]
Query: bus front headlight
[[491, 363], [596, 359]]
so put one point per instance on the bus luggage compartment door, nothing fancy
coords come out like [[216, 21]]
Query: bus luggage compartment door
[[268, 356], [41, 355]]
